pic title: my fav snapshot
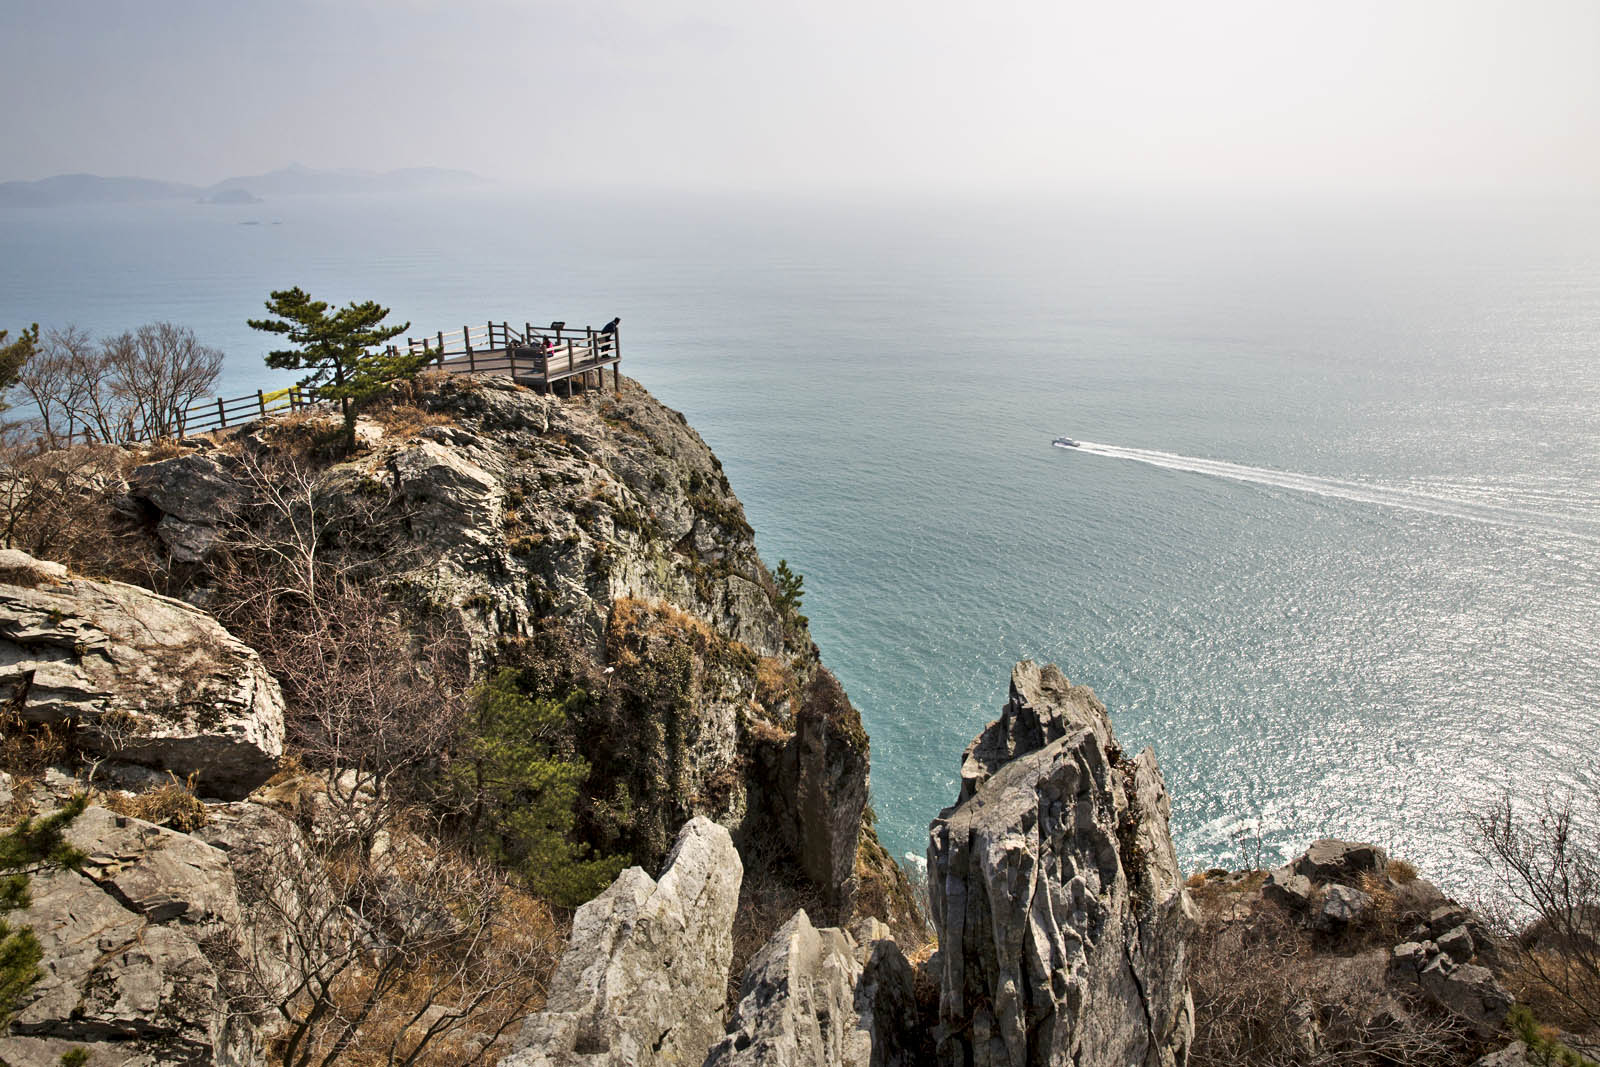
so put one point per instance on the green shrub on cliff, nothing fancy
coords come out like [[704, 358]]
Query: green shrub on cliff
[[27, 847], [518, 790]]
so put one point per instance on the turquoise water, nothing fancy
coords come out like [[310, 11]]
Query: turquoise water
[[1335, 551]]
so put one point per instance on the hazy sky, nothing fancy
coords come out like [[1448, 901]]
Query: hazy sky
[[822, 93]]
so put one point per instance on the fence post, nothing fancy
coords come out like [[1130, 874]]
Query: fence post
[[466, 340], [261, 402], [222, 414], [441, 349], [616, 366]]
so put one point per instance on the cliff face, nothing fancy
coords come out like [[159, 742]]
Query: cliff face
[[1056, 894], [594, 543]]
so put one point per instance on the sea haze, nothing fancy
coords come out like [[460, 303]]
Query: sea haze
[[1332, 545]]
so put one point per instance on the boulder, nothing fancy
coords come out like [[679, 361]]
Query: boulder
[[1056, 894], [1469, 991], [1344, 862], [1463, 989], [645, 974], [192, 497], [1293, 891], [130, 956], [1341, 906], [141, 678], [797, 1004], [1457, 944]]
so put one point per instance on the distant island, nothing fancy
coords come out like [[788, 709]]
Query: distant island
[[293, 180]]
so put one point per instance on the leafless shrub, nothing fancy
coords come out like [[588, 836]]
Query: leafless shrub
[[1545, 863], [394, 959], [61, 505], [1262, 996], [374, 697]]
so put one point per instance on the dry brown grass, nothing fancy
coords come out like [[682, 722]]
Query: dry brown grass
[[400, 421], [1402, 872], [1265, 996], [166, 448], [28, 748], [173, 805], [776, 684]]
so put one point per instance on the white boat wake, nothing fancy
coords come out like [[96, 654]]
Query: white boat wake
[[1360, 492]]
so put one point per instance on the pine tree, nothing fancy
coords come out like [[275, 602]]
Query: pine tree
[[520, 792], [31, 845], [791, 592], [345, 349], [13, 355]]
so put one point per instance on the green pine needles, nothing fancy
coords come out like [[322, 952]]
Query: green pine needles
[[30, 846], [1543, 1048], [791, 592], [13, 354], [345, 349], [518, 791]]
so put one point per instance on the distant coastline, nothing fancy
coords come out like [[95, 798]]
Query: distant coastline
[[65, 190]]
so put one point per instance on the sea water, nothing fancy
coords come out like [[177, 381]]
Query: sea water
[[1332, 544]]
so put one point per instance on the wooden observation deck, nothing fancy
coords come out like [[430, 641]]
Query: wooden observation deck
[[540, 357]]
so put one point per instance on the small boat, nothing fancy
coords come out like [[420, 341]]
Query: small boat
[[1064, 442]]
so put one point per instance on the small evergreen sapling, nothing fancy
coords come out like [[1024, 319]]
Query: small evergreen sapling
[[791, 592], [30, 846], [519, 791]]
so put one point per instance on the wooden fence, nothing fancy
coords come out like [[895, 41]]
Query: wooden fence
[[540, 357]]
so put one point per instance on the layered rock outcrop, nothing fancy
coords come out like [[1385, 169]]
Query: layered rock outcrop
[[1056, 894], [137, 949], [136, 677], [644, 978]]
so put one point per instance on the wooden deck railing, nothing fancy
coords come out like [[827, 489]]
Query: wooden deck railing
[[542, 356]]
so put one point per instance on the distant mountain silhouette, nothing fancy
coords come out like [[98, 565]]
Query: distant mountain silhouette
[[92, 189], [293, 180]]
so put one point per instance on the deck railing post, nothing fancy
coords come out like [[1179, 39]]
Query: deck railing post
[[511, 357], [616, 366], [222, 413], [441, 348]]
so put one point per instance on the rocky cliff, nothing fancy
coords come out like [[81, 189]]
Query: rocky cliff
[[594, 543], [1056, 894]]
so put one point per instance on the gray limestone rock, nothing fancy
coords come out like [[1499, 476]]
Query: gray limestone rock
[[1056, 894], [193, 496], [1457, 944], [1292, 890], [1344, 862], [797, 1004], [130, 963], [1341, 906], [151, 680], [645, 973]]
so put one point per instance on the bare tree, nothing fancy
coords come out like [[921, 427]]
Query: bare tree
[[374, 697], [49, 379], [1546, 863], [135, 386], [388, 959], [163, 372]]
